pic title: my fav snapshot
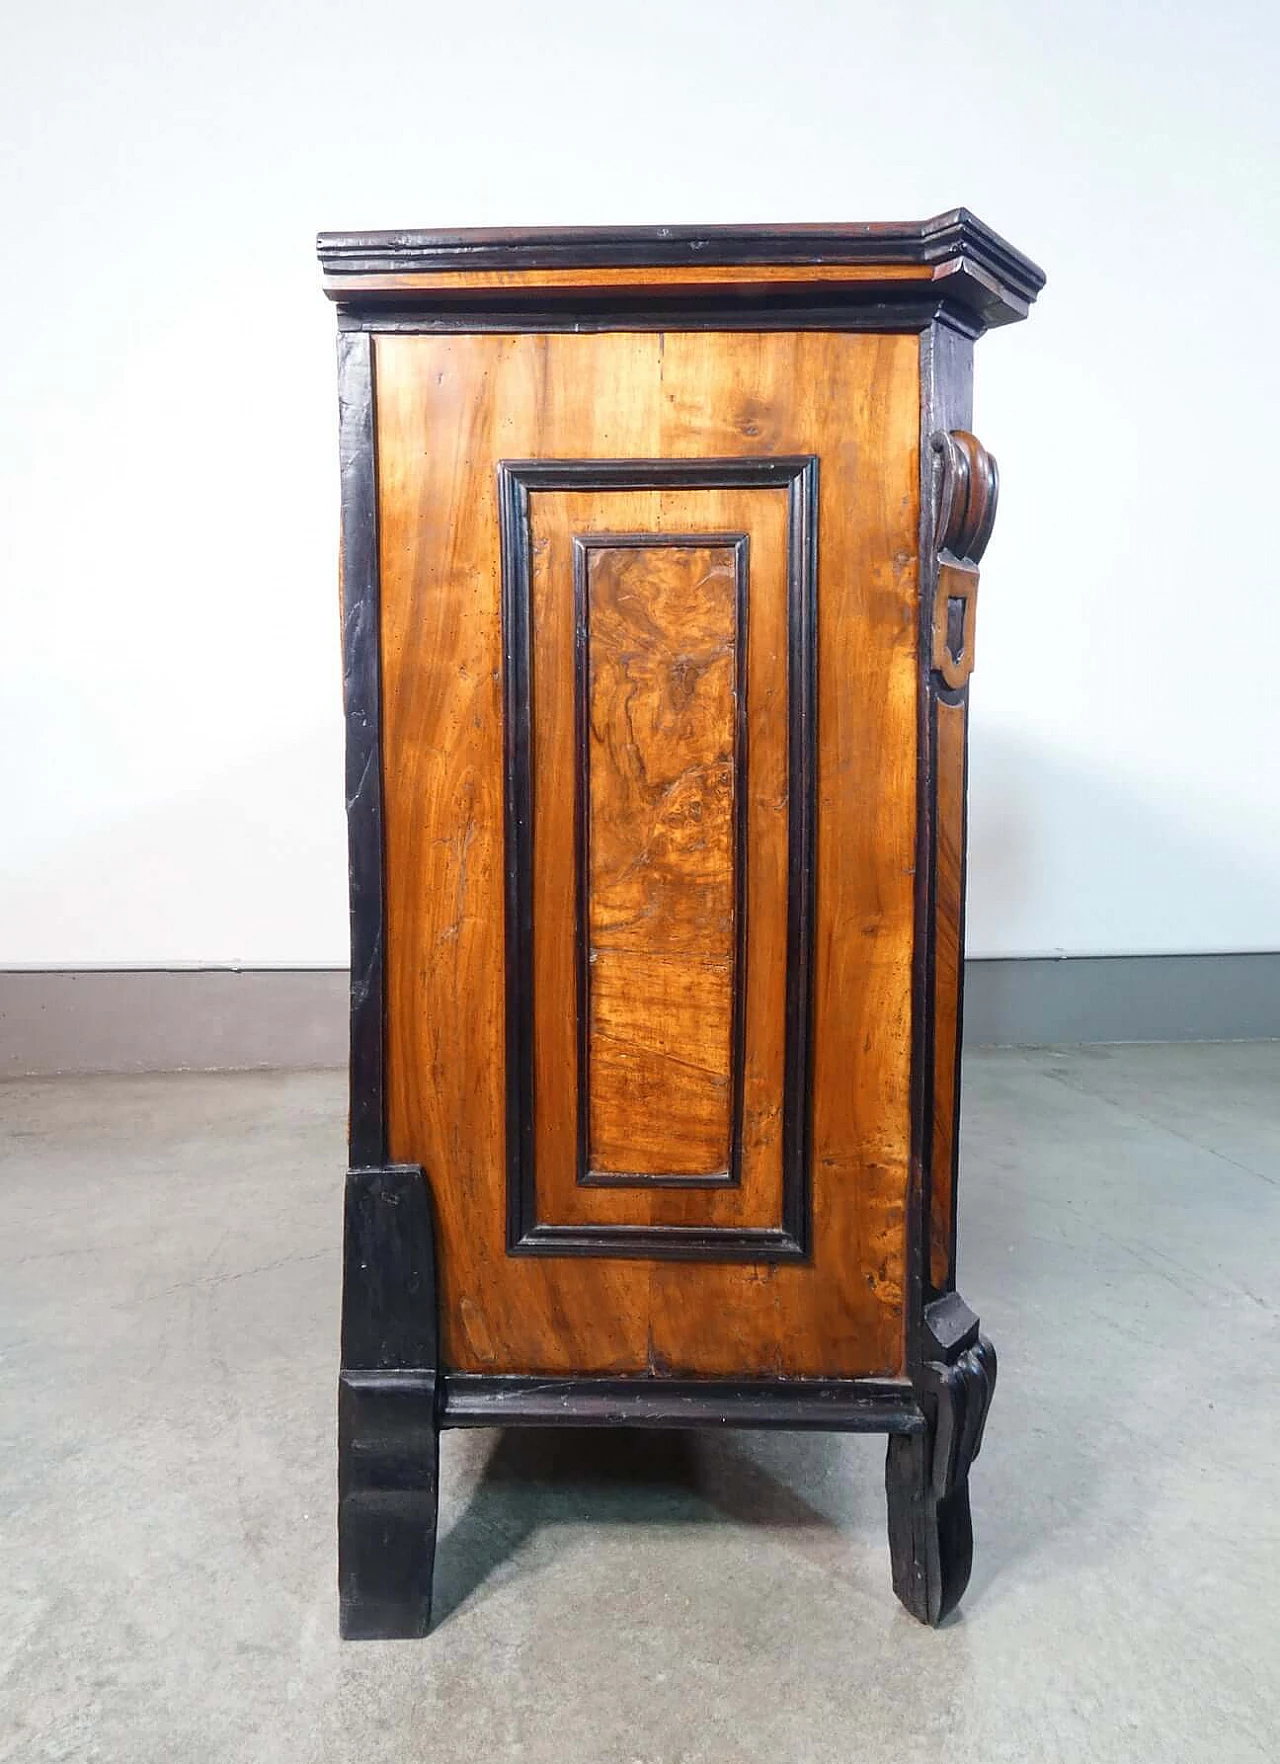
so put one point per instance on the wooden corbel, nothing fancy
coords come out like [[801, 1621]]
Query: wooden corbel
[[967, 488]]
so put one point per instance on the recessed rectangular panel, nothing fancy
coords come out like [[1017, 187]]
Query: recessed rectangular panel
[[645, 1060], [661, 713]]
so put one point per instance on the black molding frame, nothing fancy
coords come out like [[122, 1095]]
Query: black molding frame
[[583, 545], [362, 698], [517, 480], [750, 309], [953, 233], [867, 1405]]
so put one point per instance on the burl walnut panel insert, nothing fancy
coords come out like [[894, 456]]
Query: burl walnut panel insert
[[660, 560], [661, 714]]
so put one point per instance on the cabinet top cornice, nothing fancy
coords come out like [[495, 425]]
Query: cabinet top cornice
[[953, 255]]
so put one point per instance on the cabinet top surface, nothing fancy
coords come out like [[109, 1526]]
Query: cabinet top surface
[[954, 253]]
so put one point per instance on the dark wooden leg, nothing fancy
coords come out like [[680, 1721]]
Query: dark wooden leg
[[388, 1474], [388, 1437], [927, 1479]]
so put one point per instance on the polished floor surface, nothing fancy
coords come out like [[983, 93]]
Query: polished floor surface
[[168, 1320]]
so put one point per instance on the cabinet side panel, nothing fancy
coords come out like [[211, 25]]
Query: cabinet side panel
[[449, 408]]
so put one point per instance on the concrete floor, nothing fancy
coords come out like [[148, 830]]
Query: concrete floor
[[168, 1321]]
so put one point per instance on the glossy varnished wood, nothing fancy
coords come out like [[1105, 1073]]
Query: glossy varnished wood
[[661, 629], [660, 278], [448, 409]]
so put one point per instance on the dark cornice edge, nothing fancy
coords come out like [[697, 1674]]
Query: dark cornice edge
[[1010, 280]]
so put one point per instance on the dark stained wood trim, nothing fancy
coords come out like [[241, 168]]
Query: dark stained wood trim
[[934, 240], [388, 1273], [583, 544], [984, 270], [387, 1430], [927, 1481], [516, 481], [513, 522], [362, 693], [802, 800], [952, 1367], [749, 471], [606, 310], [946, 403], [848, 1406], [672, 1243]]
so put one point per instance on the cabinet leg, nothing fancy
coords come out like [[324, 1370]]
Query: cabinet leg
[[388, 1434], [927, 1480], [388, 1498]]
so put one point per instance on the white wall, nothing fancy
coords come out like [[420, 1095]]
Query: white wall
[[170, 697]]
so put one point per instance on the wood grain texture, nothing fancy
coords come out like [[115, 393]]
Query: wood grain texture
[[448, 408], [948, 909], [665, 277], [658, 696]]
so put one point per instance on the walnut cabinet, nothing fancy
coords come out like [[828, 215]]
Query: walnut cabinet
[[659, 572]]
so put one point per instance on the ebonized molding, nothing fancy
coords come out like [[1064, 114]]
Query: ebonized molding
[[583, 545], [978, 269], [952, 1366], [863, 308], [955, 233], [927, 1482], [387, 1430], [837, 1405], [673, 1243], [946, 402], [517, 480], [362, 693]]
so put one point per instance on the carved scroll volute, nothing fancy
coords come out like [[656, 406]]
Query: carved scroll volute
[[967, 488]]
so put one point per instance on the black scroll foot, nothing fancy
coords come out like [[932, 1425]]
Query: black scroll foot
[[927, 1478], [388, 1435]]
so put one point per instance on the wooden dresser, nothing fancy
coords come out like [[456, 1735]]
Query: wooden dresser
[[659, 568]]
